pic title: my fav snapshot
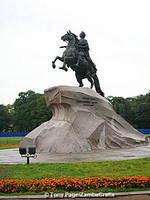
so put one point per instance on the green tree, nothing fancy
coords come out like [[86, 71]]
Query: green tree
[[135, 110], [143, 111], [4, 119], [30, 111], [123, 107]]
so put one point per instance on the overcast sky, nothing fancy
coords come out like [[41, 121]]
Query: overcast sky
[[118, 32]]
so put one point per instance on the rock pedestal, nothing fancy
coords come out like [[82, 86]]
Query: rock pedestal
[[82, 121]]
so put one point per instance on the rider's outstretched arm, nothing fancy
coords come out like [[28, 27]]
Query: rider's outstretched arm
[[62, 46]]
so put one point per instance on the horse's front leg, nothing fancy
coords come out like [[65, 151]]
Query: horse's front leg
[[64, 65], [57, 58]]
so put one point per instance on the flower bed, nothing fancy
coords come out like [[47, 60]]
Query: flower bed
[[5, 145], [72, 184]]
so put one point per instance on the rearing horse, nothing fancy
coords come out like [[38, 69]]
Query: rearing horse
[[70, 57]]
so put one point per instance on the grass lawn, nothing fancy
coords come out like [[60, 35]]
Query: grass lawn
[[10, 140], [114, 169]]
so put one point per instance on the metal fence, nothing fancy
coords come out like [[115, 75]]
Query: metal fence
[[144, 131], [18, 134]]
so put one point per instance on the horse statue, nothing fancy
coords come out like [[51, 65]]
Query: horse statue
[[70, 58]]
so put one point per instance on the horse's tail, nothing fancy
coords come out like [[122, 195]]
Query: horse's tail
[[97, 85]]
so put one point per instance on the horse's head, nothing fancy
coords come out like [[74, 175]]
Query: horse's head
[[69, 36]]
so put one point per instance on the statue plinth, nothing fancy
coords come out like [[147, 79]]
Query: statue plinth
[[82, 121]]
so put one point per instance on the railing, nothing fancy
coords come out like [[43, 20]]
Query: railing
[[18, 134], [144, 131]]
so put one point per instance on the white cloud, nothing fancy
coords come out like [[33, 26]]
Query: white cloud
[[118, 33]]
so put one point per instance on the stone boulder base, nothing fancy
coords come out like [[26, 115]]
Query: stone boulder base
[[83, 121]]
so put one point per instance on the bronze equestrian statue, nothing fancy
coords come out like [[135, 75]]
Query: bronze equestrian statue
[[76, 56]]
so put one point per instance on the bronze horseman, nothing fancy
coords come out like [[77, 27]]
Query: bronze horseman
[[76, 56]]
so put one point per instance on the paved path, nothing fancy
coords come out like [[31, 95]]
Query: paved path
[[37, 197], [11, 156], [141, 195]]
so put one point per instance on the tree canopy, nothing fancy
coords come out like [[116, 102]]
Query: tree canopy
[[30, 111], [136, 110], [4, 119]]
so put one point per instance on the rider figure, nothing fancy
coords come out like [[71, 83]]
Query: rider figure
[[83, 48]]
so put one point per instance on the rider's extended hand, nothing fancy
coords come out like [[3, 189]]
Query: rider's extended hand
[[62, 47]]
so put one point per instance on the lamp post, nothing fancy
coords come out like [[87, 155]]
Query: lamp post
[[29, 152]]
